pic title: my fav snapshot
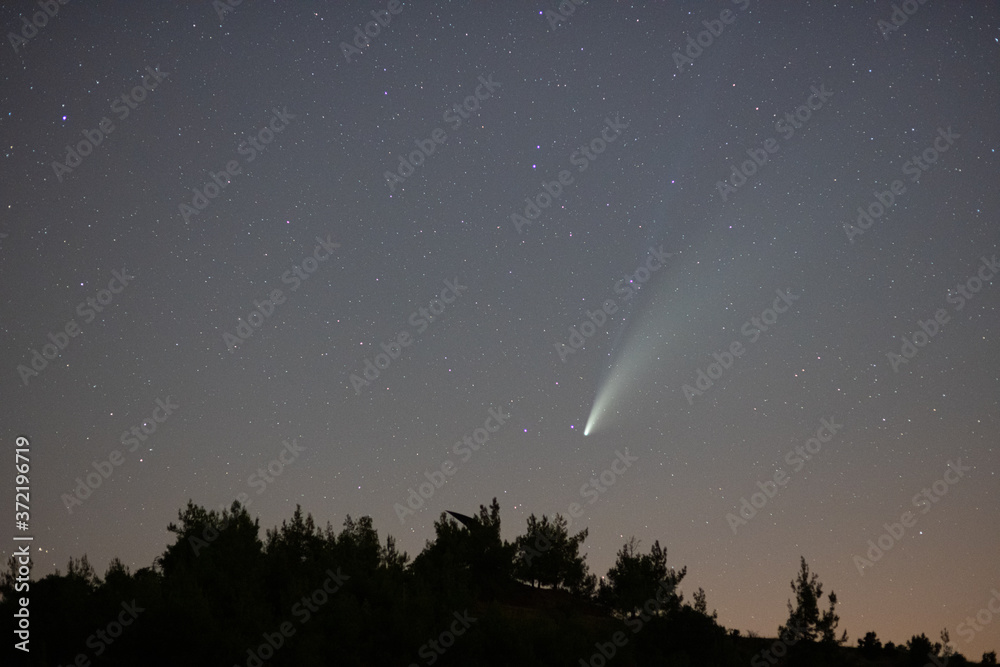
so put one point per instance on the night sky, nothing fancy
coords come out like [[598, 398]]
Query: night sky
[[597, 211]]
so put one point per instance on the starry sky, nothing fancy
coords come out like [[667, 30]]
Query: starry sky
[[598, 202]]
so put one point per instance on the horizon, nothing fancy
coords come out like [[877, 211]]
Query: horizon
[[722, 277]]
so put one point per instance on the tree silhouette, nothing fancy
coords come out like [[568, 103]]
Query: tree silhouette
[[919, 648], [219, 595], [491, 558], [547, 555], [468, 559], [871, 645], [636, 578], [804, 618], [701, 604]]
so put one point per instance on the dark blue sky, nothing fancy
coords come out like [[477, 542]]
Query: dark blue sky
[[239, 191]]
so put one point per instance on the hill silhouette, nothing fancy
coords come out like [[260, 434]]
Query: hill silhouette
[[304, 595]]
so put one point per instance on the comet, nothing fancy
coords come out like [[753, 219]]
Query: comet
[[643, 351]]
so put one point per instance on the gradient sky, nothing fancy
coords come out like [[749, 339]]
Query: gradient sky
[[679, 132]]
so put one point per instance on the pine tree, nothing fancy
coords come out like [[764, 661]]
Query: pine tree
[[804, 618]]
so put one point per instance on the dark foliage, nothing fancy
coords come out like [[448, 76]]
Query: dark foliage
[[305, 595]]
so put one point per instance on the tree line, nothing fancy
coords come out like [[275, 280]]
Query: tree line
[[305, 595]]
